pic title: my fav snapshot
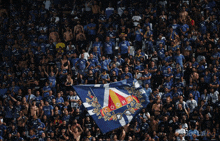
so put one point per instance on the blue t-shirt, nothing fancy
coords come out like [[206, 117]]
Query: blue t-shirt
[[2, 128], [38, 99], [139, 67], [81, 64], [175, 27], [148, 91], [111, 34], [109, 11], [59, 100], [46, 88], [52, 79], [203, 27], [108, 46], [116, 71], [161, 53], [124, 47], [184, 27], [126, 74], [98, 45], [104, 65], [93, 62], [73, 61], [138, 36], [91, 31], [191, 132], [196, 95], [47, 110], [148, 81], [168, 85], [8, 112], [179, 59]]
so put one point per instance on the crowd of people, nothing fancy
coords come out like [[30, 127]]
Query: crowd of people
[[171, 47]]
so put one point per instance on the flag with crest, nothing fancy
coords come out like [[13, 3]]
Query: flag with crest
[[113, 105]]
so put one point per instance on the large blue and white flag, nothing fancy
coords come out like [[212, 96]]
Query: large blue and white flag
[[113, 105]]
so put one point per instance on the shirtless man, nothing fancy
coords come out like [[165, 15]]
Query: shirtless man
[[95, 8], [77, 131], [156, 108], [34, 109], [78, 28], [80, 36], [68, 36], [183, 15], [54, 36]]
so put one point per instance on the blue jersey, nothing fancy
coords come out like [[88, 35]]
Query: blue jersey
[[116, 71], [73, 61], [148, 81], [47, 110], [166, 95], [52, 79], [59, 100], [168, 85], [175, 27], [46, 88], [96, 55], [179, 59], [8, 112], [108, 46], [2, 129], [104, 76], [93, 62], [124, 47], [82, 64], [148, 91], [184, 27], [104, 65], [98, 45], [111, 34], [139, 67], [203, 27], [126, 74], [196, 95], [109, 11], [138, 36], [161, 53], [38, 99], [160, 42], [91, 31], [191, 132]]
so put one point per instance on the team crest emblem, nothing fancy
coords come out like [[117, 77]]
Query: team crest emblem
[[114, 100]]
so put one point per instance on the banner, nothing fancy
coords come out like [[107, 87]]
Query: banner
[[113, 105]]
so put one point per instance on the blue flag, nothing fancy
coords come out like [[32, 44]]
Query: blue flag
[[113, 105]]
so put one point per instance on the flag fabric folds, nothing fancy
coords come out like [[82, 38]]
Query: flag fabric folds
[[113, 105]]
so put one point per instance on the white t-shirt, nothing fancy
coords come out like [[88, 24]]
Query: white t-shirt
[[136, 20], [86, 55], [181, 132], [214, 96], [47, 4], [192, 104], [139, 75], [74, 104]]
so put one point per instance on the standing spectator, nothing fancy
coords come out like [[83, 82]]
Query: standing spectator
[[138, 36], [108, 48], [124, 48], [191, 103]]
